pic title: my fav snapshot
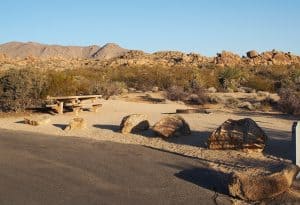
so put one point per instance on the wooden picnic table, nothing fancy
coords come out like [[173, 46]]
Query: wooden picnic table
[[74, 102]]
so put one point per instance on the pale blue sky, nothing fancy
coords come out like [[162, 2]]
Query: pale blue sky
[[203, 26]]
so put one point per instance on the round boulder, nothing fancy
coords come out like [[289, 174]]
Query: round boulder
[[134, 123], [242, 134], [252, 54], [170, 126]]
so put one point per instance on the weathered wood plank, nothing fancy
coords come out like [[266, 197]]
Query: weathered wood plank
[[74, 97]]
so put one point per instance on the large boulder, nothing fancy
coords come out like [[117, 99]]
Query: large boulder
[[252, 54], [134, 123], [76, 123], [170, 126], [257, 187], [242, 134]]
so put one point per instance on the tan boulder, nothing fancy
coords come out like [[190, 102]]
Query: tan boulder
[[255, 188], [134, 123], [172, 126], [252, 54], [76, 123], [242, 134], [37, 120]]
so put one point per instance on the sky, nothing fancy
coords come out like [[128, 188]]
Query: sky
[[202, 26]]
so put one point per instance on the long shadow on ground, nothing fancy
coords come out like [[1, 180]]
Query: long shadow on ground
[[207, 178]]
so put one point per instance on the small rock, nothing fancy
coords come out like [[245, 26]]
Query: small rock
[[134, 123], [170, 126], [242, 134], [212, 90], [37, 120], [246, 105], [241, 90], [131, 90], [263, 93], [76, 123], [155, 89], [124, 91]]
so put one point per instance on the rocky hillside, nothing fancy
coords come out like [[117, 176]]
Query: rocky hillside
[[37, 50], [113, 55], [225, 58]]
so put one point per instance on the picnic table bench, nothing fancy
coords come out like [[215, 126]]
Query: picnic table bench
[[76, 103]]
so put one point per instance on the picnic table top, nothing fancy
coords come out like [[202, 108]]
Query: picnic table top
[[73, 97]]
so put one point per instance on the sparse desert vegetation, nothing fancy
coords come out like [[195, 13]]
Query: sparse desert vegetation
[[27, 85]]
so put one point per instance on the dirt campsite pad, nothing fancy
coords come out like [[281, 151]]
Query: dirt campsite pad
[[104, 125]]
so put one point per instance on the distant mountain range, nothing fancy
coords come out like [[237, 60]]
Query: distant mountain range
[[113, 55], [22, 50]]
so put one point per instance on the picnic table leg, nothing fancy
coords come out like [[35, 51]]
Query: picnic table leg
[[76, 110], [60, 108]]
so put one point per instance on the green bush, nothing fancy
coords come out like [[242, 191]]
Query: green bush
[[230, 77], [20, 89]]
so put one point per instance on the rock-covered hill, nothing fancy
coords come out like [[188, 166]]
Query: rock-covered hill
[[32, 49], [113, 55]]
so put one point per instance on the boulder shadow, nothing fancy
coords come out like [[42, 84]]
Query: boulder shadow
[[61, 126], [20, 122], [114, 128], [279, 143], [207, 178], [196, 138]]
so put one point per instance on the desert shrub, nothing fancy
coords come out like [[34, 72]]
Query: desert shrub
[[21, 89], [260, 84], [191, 95], [289, 101], [110, 88], [61, 83], [176, 93], [230, 77]]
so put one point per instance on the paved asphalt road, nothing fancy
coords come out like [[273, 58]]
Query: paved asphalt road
[[41, 169]]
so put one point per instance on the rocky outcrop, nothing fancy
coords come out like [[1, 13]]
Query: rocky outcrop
[[134, 123], [242, 134], [227, 58], [171, 126]]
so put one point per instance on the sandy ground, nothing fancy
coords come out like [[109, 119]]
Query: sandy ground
[[104, 125]]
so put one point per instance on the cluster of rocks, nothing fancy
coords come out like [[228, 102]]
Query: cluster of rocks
[[242, 134], [74, 124], [271, 58], [131, 58], [169, 126], [225, 58]]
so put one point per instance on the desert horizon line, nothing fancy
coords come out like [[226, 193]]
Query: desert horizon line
[[241, 54]]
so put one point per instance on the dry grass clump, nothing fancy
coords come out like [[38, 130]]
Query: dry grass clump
[[289, 101]]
